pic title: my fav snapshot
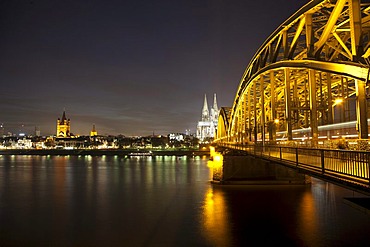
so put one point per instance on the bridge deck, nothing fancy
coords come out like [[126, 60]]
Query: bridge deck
[[342, 167]]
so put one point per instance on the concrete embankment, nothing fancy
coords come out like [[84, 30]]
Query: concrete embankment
[[240, 167], [251, 170]]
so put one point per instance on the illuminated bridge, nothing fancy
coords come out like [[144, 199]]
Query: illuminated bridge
[[303, 98]]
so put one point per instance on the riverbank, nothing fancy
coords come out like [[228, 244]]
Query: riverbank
[[98, 152]]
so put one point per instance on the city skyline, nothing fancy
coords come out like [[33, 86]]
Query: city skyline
[[129, 68]]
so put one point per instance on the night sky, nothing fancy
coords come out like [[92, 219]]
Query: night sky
[[129, 67]]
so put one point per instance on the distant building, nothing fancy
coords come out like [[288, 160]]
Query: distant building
[[24, 143], [37, 131], [93, 132], [63, 127], [2, 130], [207, 126], [176, 137]]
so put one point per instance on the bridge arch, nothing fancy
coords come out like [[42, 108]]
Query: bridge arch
[[311, 72], [223, 123]]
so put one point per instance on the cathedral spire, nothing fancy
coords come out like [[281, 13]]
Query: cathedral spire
[[215, 107], [205, 111], [207, 126]]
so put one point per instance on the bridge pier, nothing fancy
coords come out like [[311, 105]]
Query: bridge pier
[[241, 168]]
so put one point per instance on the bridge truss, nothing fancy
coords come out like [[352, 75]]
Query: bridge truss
[[312, 71]]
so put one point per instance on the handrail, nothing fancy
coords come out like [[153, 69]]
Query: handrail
[[343, 167]]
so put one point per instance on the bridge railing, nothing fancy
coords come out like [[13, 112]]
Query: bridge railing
[[344, 165]]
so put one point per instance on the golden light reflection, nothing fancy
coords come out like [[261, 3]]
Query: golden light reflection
[[60, 180], [215, 219], [308, 220]]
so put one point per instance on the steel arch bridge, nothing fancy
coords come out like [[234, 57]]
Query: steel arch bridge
[[311, 72]]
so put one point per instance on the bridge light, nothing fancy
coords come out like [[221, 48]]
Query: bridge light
[[212, 151], [338, 101], [217, 158]]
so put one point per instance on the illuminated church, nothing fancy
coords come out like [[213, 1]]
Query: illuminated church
[[207, 126], [93, 132], [63, 126]]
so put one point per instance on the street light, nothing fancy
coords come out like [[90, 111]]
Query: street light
[[337, 101]]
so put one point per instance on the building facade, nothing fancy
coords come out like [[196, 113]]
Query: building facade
[[63, 127], [207, 126]]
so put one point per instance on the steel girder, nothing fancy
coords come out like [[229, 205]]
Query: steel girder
[[319, 54], [223, 123]]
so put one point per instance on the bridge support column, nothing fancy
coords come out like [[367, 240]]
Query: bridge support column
[[330, 99], [255, 112], [361, 109], [244, 132], [262, 92], [288, 111], [313, 107], [272, 134], [249, 117]]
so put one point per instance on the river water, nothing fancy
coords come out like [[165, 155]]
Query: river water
[[164, 201]]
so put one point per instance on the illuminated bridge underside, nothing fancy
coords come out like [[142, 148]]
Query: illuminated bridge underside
[[312, 71]]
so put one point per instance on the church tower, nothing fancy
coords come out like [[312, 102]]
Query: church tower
[[93, 132], [207, 126], [214, 110], [63, 126], [205, 111]]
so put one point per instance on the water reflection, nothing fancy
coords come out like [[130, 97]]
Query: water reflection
[[308, 217], [216, 225], [163, 201], [235, 215]]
